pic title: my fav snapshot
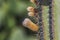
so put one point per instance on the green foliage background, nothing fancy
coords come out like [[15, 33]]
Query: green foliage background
[[13, 12]]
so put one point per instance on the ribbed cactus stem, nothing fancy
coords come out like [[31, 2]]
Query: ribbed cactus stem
[[38, 10]]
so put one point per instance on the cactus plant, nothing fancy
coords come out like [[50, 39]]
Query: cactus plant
[[38, 13]]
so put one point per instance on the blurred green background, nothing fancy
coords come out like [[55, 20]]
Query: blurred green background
[[12, 13]]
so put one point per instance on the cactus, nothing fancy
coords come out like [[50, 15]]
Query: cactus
[[38, 14]]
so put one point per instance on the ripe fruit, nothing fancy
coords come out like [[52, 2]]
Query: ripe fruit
[[29, 24]]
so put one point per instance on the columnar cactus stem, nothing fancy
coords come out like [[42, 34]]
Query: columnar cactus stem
[[37, 13]]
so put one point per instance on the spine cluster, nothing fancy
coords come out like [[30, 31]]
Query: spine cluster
[[40, 20], [51, 20]]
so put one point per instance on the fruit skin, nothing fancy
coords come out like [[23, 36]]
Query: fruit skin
[[29, 24], [31, 14], [30, 9], [33, 1]]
